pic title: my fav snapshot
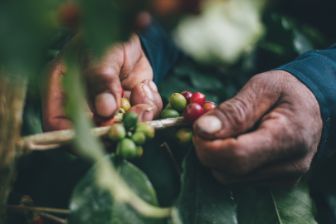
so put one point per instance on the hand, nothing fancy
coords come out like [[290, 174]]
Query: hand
[[123, 67], [269, 132]]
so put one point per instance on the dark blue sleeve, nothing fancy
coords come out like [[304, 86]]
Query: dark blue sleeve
[[317, 70], [160, 50]]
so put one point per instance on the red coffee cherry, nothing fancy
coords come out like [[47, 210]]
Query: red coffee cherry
[[198, 97], [193, 111], [208, 106], [187, 95]]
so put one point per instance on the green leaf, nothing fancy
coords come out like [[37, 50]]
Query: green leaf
[[276, 205], [25, 28], [92, 205], [202, 200]]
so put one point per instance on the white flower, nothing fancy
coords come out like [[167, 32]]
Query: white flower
[[224, 30]]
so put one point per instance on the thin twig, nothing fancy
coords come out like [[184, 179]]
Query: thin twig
[[53, 218], [39, 209], [172, 157], [51, 140]]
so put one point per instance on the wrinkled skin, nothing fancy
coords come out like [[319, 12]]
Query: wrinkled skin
[[269, 132], [123, 66]]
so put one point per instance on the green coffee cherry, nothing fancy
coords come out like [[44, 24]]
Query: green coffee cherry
[[127, 149], [140, 151], [130, 120], [117, 132], [184, 135], [118, 117], [139, 138], [178, 101], [145, 128], [125, 104], [169, 113]]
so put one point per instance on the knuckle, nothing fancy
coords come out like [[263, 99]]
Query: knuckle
[[234, 112]]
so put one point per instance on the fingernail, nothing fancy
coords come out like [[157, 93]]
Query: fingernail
[[147, 91], [147, 115], [209, 124], [153, 86], [105, 104]]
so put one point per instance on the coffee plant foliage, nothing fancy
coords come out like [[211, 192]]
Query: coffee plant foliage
[[167, 184]]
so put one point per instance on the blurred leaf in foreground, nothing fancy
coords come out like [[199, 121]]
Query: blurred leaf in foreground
[[91, 204]]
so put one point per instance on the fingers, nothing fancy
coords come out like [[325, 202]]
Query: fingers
[[241, 113], [146, 100], [275, 139], [269, 131], [53, 100], [136, 76], [123, 66], [136, 66], [103, 82]]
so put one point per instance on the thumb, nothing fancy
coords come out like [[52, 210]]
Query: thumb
[[242, 112]]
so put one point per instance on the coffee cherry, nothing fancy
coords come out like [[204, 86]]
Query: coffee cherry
[[148, 130], [178, 101], [140, 151], [184, 135], [169, 113], [139, 138], [187, 95], [208, 106], [193, 111], [127, 149], [69, 15], [118, 117], [198, 97], [117, 132], [125, 104], [130, 120]]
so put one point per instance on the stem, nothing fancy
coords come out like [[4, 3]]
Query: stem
[[39, 209], [12, 96], [172, 157], [53, 218], [122, 193], [51, 140]]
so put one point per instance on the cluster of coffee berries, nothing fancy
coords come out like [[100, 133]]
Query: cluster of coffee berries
[[190, 105], [130, 135]]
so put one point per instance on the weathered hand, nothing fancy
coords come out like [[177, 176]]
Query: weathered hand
[[269, 132], [123, 66]]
